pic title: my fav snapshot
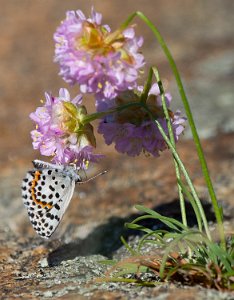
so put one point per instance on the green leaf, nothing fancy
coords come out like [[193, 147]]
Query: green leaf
[[157, 234], [138, 227], [193, 203], [170, 247], [170, 222], [129, 248], [108, 262], [221, 255], [221, 211]]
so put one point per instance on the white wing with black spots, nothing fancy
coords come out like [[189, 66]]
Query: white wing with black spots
[[46, 192]]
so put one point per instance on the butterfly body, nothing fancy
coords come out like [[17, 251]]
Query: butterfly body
[[46, 192]]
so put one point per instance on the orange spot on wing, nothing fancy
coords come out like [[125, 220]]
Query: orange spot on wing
[[36, 178]]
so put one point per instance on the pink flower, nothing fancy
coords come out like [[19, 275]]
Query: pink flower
[[101, 62], [132, 131], [58, 134]]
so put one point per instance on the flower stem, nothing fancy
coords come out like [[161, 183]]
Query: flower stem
[[147, 86], [172, 140], [92, 117], [95, 116], [196, 138], [184, 171]]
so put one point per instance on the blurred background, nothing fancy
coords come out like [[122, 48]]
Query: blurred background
[[199, 33]]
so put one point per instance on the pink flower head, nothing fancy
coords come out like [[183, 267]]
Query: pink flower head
[[132, 131], [58, 133], [101, 62]]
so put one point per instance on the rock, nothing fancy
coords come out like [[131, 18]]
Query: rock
[[67, 266]]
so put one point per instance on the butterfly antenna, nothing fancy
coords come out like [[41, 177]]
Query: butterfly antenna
[[91, 178]]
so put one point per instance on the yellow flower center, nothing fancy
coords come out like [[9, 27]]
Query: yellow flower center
[[68, 118], [98, 41]]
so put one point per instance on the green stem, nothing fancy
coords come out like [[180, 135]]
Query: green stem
[[172, 140], [184, 99], [184, 171], [147, 87], [193, 203], [94, 116], [98, 115]]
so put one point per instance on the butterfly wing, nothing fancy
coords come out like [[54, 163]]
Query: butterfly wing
[[46, 194]]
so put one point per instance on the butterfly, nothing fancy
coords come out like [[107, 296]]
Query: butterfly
[[46, 193]]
